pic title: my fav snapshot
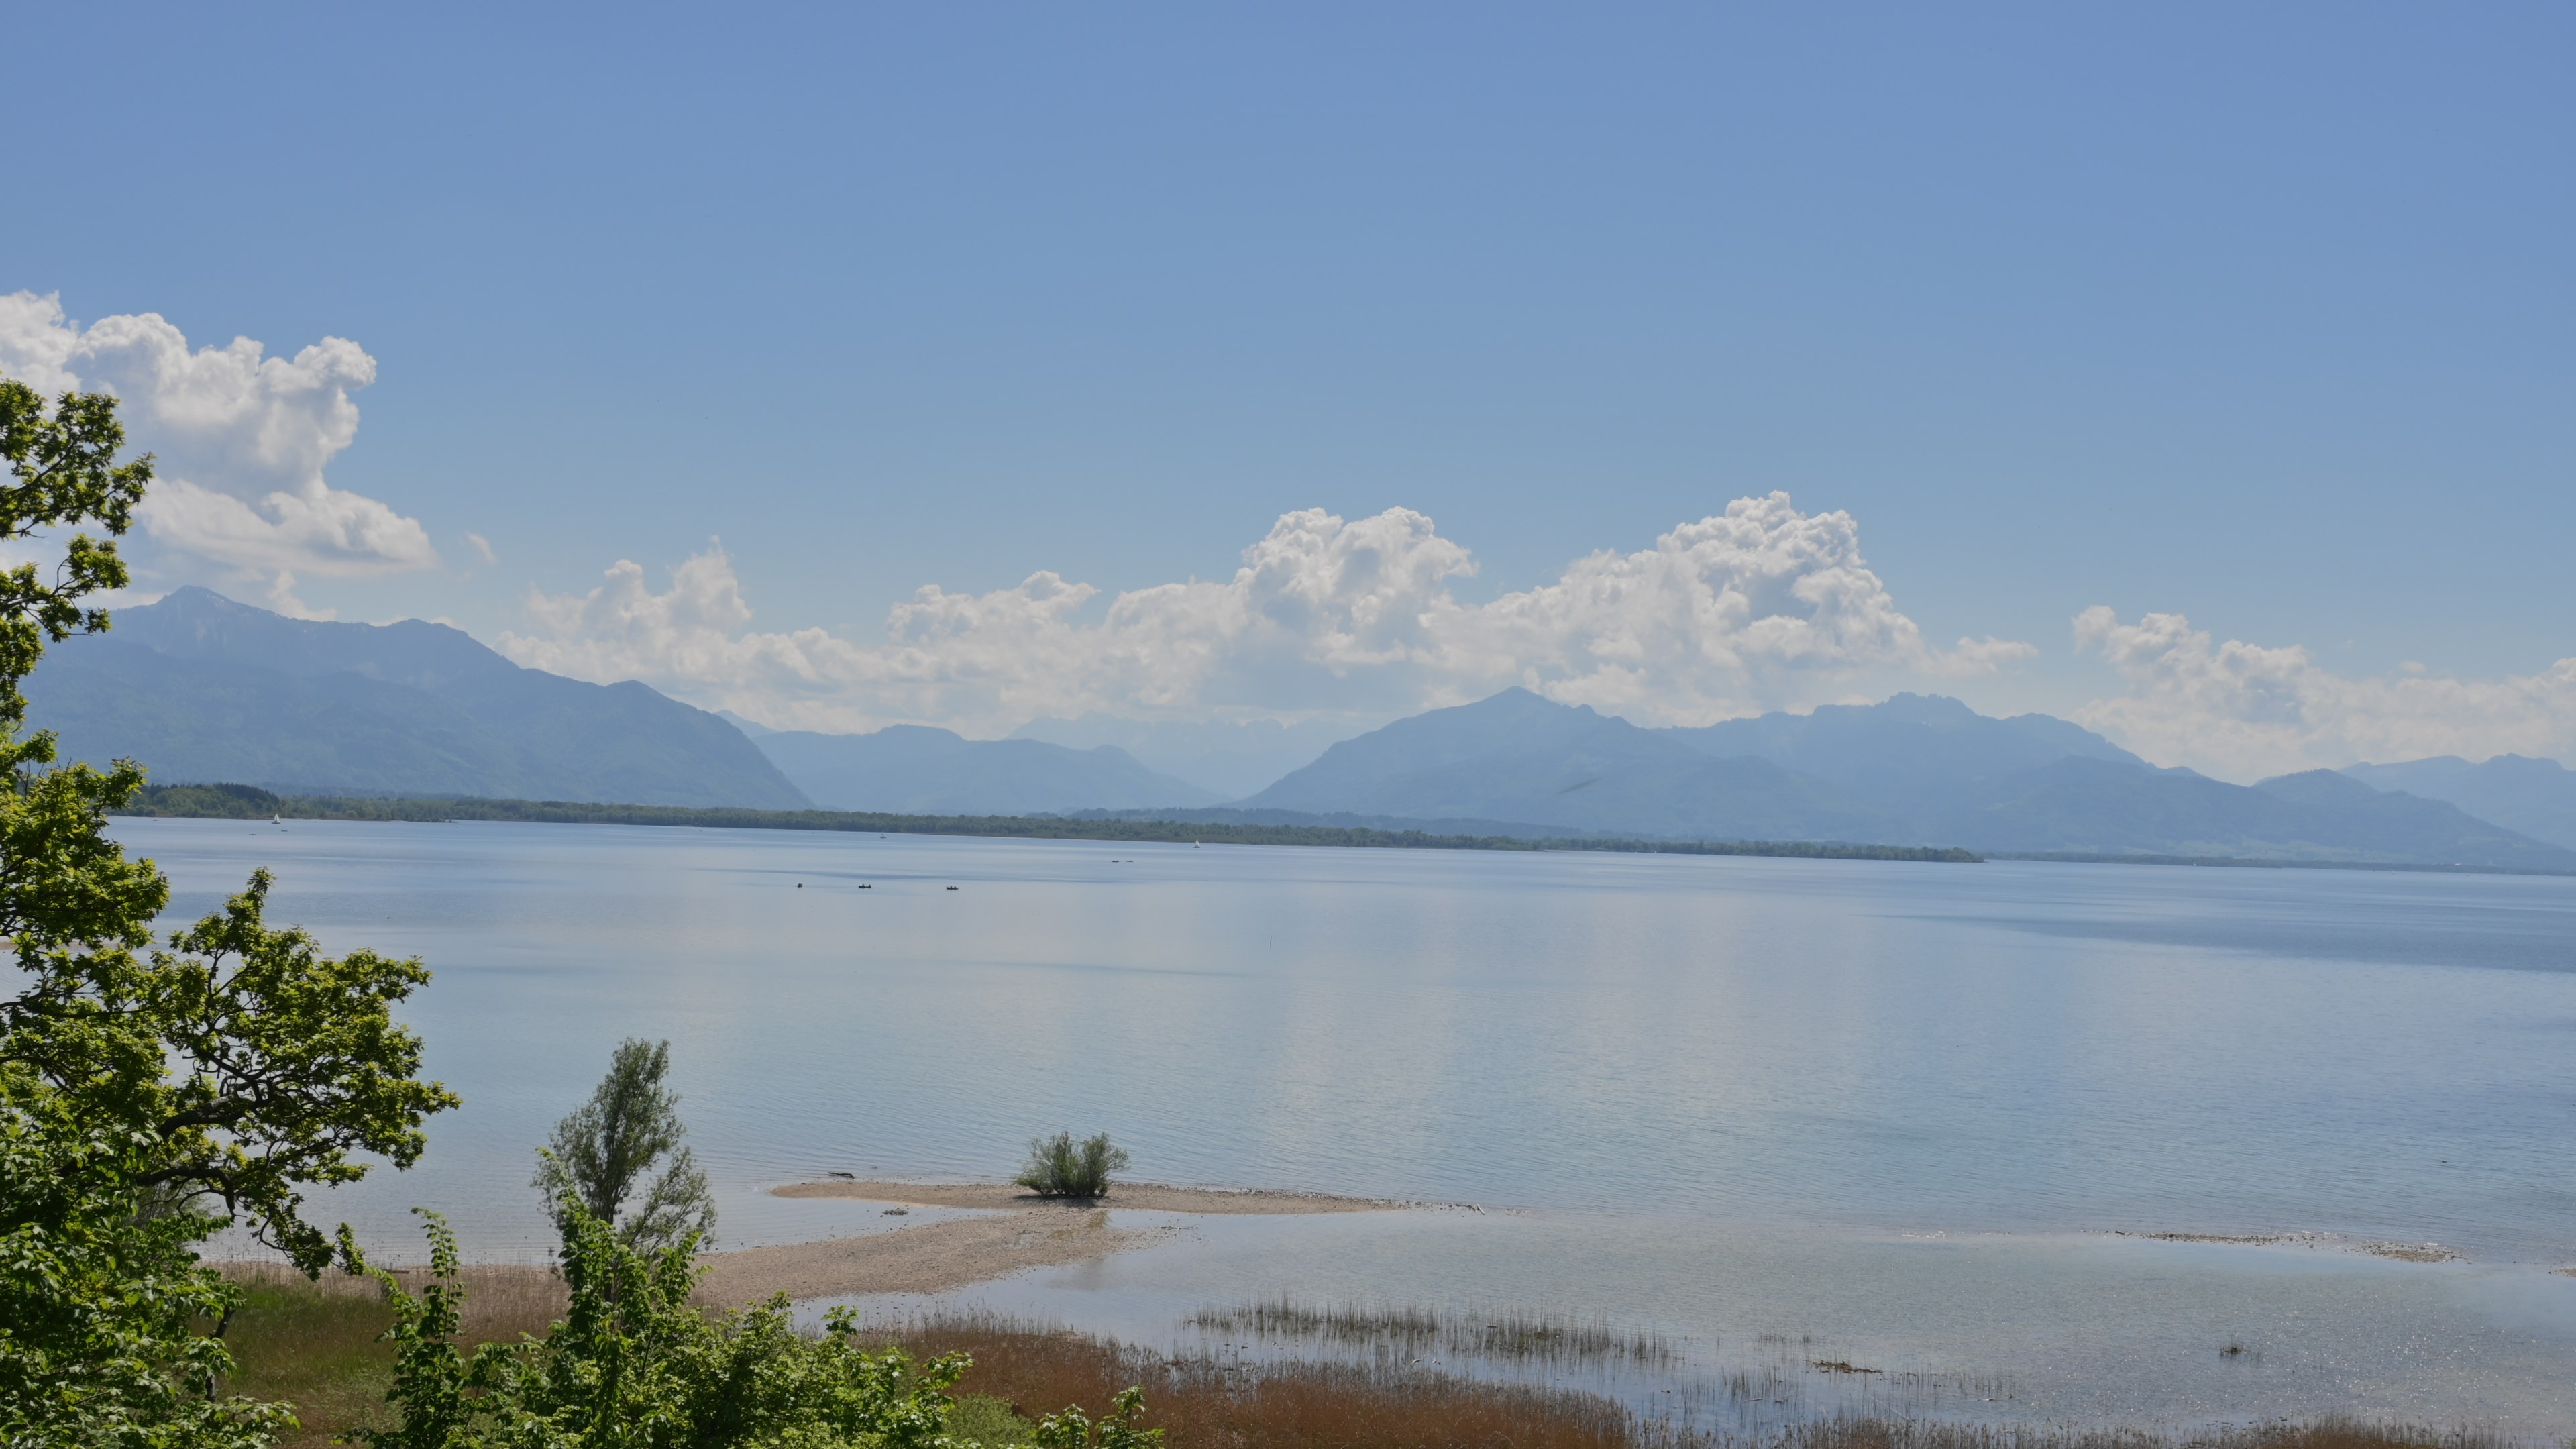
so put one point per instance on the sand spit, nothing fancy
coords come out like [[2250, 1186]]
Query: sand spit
[[1023, 1231], [2413, 1252], [928, 1258], [2327, 1242], [1018, 1230], [1144, 1196]]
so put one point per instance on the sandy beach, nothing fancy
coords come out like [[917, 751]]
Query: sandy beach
[[1021, 1231]]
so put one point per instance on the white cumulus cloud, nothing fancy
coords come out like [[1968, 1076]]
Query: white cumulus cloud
[[242, 440], [1756, 607], [2243, 711]]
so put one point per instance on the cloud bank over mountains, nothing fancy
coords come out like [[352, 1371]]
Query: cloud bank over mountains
[[2243, 711], [1761, 607], [1757, 607], [242, 440], [1329, 619]]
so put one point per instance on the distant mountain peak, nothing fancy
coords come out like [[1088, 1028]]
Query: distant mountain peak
[[2534, 796], [1516, 700], [202, 688], [197, 623], [1924, 709], [198, 596], [2317, 787]]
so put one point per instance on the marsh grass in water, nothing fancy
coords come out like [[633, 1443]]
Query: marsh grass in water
[[1203, 1400], [1514, 1336], [316, 1345], [1207, 1401]]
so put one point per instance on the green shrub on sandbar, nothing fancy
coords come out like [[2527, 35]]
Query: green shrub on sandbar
[[1061, 1167]]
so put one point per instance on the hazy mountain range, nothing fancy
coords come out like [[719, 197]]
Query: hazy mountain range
[[1910, 771], [201, 688], [1228, 760], [2536, 797], [917, 770]]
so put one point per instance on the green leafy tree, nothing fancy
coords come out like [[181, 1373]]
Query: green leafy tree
[[633, 1364], [99, 1295], [148, 1097], [603, 1154]]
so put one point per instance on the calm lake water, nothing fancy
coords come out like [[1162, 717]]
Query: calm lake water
[[1898, 1108]]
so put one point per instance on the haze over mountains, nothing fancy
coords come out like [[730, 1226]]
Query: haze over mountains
[[1910, 771], [201, 688], [918, 770], [1227, 759], [2536, 797]]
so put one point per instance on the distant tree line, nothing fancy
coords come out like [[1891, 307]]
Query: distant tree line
[[247, 802]]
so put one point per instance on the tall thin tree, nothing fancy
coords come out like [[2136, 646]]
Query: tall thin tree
[[605, 1152]]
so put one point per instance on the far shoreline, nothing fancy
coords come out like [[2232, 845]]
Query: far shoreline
[[247, 802]]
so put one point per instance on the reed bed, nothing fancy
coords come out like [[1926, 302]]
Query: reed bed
[[1514, 1336], [1203, 1402], [1207, 1402]]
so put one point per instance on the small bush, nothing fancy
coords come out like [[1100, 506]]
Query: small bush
[[981, 1419], [1061, 1167]]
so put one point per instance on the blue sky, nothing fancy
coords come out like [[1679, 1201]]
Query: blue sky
[[2262, 318]]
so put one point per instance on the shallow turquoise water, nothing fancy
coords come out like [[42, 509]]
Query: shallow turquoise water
[[1843, 1092]]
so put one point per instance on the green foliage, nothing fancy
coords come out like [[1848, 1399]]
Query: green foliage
[[215, 802], [601, 1153], [143, 1090], [63, 470], [986, 1420], [98, 1294], [1061, 1167], [634, 1365], [1073, 1429], [256, 1065]]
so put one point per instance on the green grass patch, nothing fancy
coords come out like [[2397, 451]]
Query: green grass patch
[[988, 1421], [318, 1345]]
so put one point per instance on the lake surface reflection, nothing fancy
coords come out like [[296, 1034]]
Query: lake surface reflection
[[1710, 1051]]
